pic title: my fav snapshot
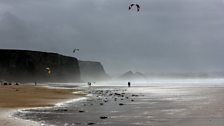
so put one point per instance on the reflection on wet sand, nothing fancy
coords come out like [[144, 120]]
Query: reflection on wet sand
[[137, 106]]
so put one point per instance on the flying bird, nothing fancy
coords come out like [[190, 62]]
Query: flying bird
[[137, 5], [130, 6], [75, 50]]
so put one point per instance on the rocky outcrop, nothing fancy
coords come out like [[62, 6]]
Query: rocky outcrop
[[132, 76], [30, 66], [92, 71]]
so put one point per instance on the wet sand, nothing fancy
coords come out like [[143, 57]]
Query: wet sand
[[7, 120], [208, 112], [144, 106], [13, 98]]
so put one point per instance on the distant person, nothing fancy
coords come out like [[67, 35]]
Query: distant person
[[35, 83], [129, 84]]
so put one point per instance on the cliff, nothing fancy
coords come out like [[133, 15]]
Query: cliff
[[30, 66], [92, 71]]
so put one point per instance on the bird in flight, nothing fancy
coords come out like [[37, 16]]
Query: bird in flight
[[137, 5], [75, 50]]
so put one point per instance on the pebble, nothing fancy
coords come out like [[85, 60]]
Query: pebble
[[90, 123], [121, 104], [103, 117]]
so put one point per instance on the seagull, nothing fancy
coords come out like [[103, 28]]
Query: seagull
[[75, 50], [137, 5]]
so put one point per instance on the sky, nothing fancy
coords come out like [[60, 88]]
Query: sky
[[165, 36]]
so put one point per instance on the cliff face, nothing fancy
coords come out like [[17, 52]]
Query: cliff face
[[92, 71], [30, 66]]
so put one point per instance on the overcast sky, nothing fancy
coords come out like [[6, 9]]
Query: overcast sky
[[165, 36]]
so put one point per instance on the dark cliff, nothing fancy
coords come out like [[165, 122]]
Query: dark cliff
[[30, 66], [92, 71]]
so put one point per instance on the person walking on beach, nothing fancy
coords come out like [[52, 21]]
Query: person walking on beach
[[129, 84]]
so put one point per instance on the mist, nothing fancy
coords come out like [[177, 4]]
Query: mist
[[166, 36]]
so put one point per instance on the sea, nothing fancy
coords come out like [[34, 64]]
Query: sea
[[160, 102]]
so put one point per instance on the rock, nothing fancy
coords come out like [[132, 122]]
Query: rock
[[121, 104], [132, 76], [133, 95], [90, 123], [103, 117], [81, 111], [117, 94], [62, 110]]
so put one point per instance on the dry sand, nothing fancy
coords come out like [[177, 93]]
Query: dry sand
[[25, 96]]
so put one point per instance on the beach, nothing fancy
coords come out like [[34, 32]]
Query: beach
[[137, 106], [15, 97], [113, 106]]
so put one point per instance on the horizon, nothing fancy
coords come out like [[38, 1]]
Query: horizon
[[157, 74]]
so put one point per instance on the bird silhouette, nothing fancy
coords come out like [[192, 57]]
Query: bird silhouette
[[75, 50], [137, 5]]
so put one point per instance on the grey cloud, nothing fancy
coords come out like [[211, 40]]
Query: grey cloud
[[167, 35]]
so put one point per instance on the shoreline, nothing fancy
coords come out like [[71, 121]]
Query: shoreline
[[16, 98], [202, 107], [7, 118]]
